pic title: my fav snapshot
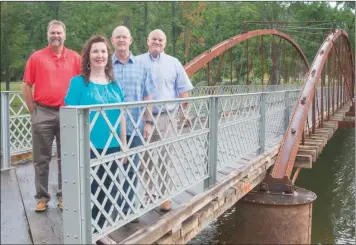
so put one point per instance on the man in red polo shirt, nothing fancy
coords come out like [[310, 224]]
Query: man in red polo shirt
[[50, 71]]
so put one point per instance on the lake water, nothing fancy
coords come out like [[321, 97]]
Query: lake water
[[332, 179]]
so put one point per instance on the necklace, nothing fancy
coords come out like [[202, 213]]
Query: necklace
[[99, 79]]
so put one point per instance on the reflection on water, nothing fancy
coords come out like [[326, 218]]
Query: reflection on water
[[332, 179], [221, 231]]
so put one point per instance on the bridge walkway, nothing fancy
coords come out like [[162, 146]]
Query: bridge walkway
[[192, 210], [21, 224]]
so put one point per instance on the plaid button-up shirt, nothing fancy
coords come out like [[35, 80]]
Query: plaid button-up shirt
[[136, 83]]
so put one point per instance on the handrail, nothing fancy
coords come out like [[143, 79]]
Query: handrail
[[224, 128]]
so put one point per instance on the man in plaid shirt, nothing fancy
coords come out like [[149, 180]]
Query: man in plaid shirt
[[137, 84]]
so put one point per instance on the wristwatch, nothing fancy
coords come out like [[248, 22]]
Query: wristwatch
[[149, 122]]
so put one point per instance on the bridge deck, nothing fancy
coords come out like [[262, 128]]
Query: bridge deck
[[19, 202], [14, 225], [21, 224]]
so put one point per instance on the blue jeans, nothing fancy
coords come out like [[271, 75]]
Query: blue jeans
[[136, 141], [107, 182], [113, 169]]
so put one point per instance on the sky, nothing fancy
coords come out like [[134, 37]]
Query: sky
[[333, 4]]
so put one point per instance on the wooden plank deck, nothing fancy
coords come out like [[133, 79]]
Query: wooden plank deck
[[14, 225], [47, 227], [17, 208]]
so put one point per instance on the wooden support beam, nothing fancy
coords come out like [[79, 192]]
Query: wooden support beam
[[342, 110], [336, 118], [312, 153], [331, 124], [332, 129], [316, 141], [310, 147], [320, 135], [16, 159], [320, 146], [169, 238], [303, 161], [328, 133], [340, 114]]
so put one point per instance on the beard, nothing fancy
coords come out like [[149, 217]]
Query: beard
[[56, 41]]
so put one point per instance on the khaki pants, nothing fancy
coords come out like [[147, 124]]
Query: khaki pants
[[45, 127], [163, 123]]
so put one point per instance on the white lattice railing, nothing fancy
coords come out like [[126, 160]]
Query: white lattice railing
[[16, 125], [109, 192]]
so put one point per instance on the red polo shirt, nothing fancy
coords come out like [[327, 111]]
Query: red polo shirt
[[51, 75]]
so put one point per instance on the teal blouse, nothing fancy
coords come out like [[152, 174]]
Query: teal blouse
[[93, 94]]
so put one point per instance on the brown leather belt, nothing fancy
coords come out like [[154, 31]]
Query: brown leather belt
[[54, 108]]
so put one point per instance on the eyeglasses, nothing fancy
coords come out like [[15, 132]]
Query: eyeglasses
[[122, 37]]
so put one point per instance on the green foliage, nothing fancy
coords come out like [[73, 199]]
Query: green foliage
[[13, 42], [191, 27]]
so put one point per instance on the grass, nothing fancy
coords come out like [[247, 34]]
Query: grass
[[14, 86], [16, 102]]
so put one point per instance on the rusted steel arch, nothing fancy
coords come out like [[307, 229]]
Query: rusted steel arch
[[199, 61], [287, 153], [352, 58]]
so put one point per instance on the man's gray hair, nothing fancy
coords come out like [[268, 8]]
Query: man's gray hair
[[158, 30], [123, 27], [56, 22]]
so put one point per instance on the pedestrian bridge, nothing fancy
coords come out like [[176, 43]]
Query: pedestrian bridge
[[226, 140]]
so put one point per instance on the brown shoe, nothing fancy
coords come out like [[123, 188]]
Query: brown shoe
[[60, 204], [166, 206], [41, 206]]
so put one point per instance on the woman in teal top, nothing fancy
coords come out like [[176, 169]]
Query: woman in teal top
[[94, 93], [97, 86]]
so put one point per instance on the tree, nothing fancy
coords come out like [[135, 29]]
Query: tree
[[190, 27], [193, 21], [13, 41]]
